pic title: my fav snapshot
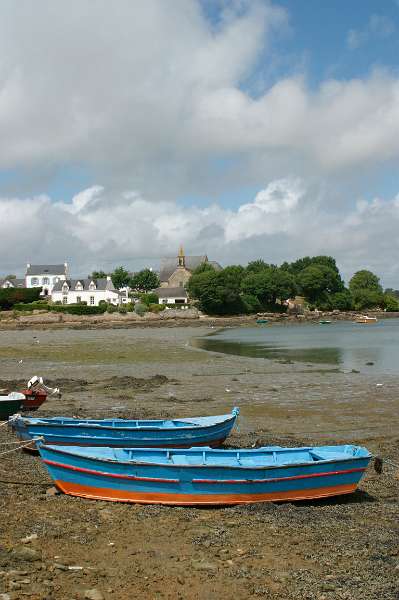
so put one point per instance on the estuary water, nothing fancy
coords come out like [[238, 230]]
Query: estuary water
[[345, 345]]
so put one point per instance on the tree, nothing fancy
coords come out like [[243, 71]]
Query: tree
[[218, 292], [365, 280], [317, 281], [341, 300], [98, 275], [366, 298], [269, 285], [10, 277], [256, 266], [392, 292], [391, 303], [120, 277], [145, 280]]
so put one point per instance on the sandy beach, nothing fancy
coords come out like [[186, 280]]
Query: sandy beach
[[343, 548]]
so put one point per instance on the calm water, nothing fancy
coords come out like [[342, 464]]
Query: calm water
[[344, 344]]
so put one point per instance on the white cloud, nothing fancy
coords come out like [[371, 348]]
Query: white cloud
[[285, 220], [146, 93], [378, 27]]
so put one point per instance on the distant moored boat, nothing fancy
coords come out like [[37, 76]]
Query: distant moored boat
[[365, 319]]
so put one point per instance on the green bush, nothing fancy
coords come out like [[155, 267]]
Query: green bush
[[391, 303], [122, 310], [78, 309], [11, 296], [38, 305], [130, 306], [111, 308], [140, 309], [156, 308], [148, 299]]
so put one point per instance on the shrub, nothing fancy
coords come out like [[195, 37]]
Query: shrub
[[38, 305], [122, 310], [130, 306], [148, 299], [140, 309], [156, 308], [111, 308], [11, 296], [78, 309]]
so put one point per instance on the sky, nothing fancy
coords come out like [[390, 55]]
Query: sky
[[241, 129]]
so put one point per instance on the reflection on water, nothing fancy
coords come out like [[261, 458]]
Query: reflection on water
[[344, 344]]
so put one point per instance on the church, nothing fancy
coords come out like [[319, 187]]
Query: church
[[175, 274]]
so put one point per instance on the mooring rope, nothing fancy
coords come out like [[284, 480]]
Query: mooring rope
[[21, 445]]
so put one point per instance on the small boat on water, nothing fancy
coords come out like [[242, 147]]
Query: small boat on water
[[262, 321], [203, 476], [324, 322], [10, 404], [365, 319], [183, 433]]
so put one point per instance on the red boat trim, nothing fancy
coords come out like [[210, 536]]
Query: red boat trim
[[116, 495], [114, 475], [276, 479]]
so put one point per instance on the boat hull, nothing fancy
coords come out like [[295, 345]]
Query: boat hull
[[185, 484], [8, 408], [33, 399], [210, 431]]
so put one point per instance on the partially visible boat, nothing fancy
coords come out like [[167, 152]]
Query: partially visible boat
[[187, 432], [10, 404], [262, 321], [203, 476], [33, 399], [324, 322], [365, 319]]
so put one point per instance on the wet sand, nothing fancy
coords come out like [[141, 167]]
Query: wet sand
[[331, 549]]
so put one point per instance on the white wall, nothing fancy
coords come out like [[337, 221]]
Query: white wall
[[39, 281], [172, 300], [85, 295]]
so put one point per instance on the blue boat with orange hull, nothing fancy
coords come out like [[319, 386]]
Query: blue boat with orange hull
[[176, 433], [204, 476]]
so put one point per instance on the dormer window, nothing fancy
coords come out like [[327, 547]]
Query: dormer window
[[79, 286], [65, 288], [92, 285]]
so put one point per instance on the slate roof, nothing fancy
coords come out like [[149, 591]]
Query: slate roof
[[101, 284], [169, 265], [171, 292], [46, 269]]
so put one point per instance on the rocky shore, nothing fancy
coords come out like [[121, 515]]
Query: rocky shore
[[169, 318], [55, 547]]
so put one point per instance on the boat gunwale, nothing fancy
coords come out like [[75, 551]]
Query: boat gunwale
[[50, 448]]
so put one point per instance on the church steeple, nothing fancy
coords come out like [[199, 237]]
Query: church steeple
[[181, 257]]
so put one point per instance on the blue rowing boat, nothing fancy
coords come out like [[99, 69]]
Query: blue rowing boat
[[205, 476], [182, 433]]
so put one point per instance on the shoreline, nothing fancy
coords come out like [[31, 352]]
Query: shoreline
[[48, 320]]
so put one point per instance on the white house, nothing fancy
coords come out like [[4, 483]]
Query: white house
[[12, 282], [91, 291], [45, 276], [172, 295]]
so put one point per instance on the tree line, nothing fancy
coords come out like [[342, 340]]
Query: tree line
[[265, 287], [143, 281]]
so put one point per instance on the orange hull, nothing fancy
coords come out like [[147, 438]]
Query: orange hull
[[114, 495]]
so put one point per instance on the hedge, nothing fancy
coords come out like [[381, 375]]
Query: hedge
[[78, 309], [11, 296], [38, 305]]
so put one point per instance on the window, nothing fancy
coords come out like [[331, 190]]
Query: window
[[92, 286], [91, 300], [78, 299], [34, 281], [181, 283], [79, 286], [64, 299], [45, 280]]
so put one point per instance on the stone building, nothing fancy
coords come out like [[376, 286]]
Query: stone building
[[176, 272]]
